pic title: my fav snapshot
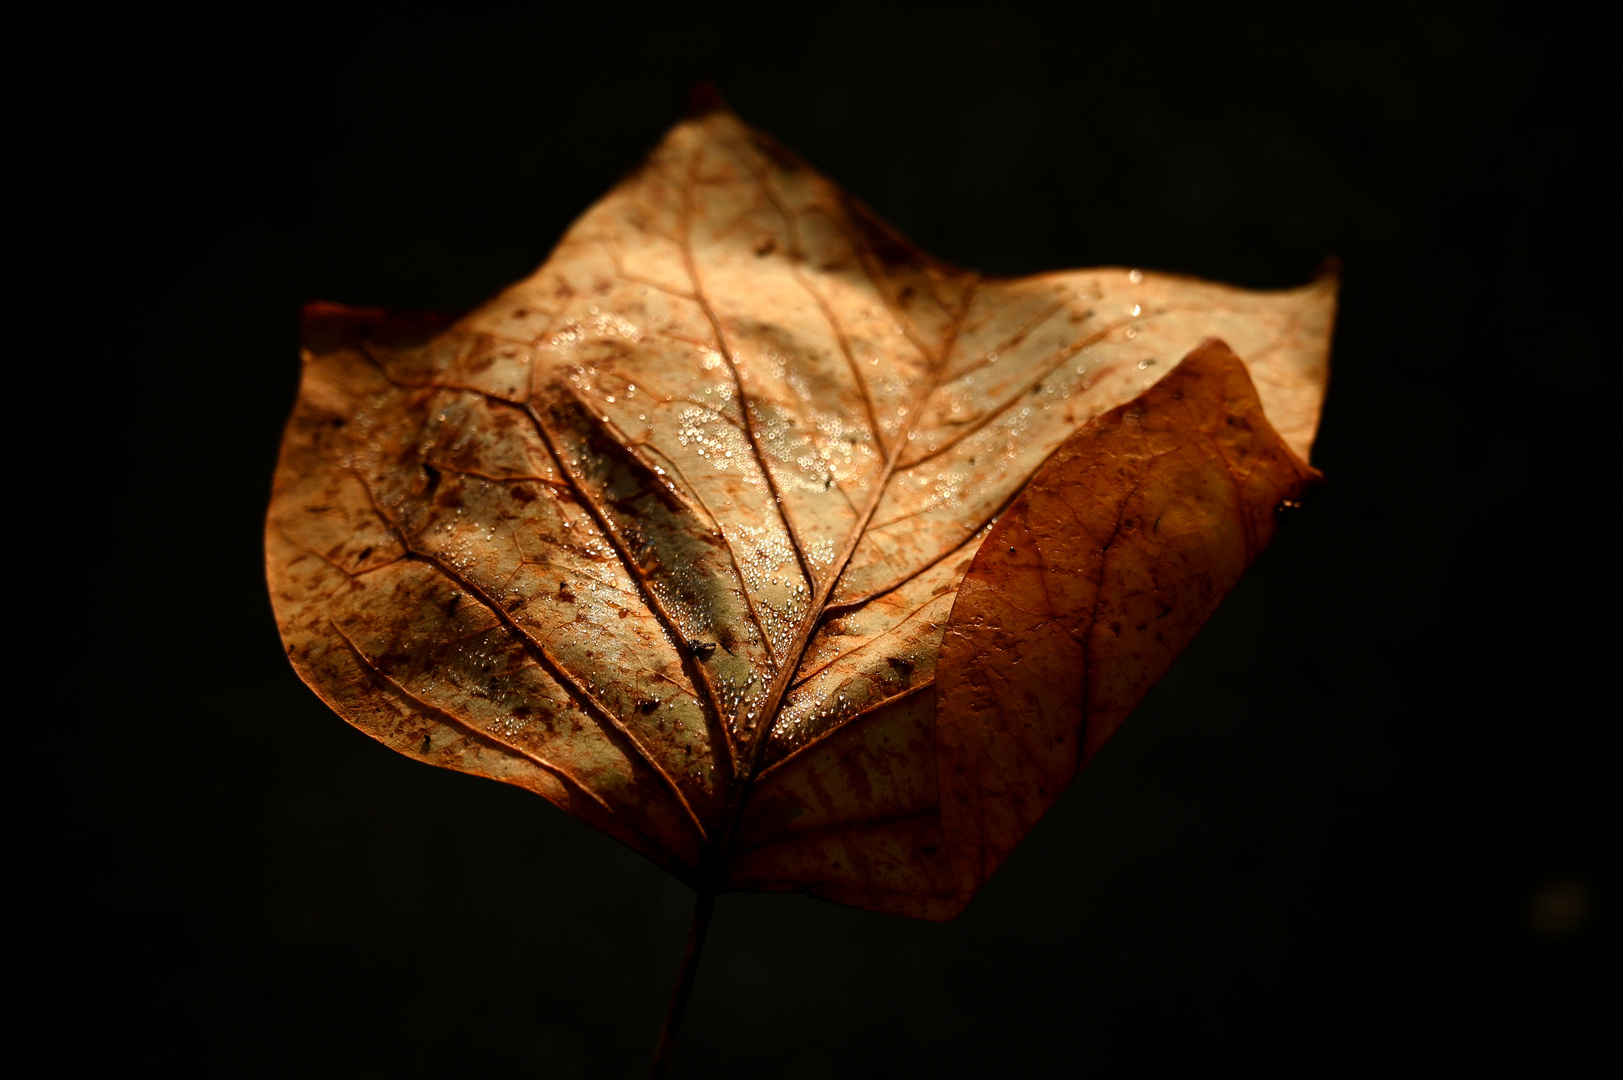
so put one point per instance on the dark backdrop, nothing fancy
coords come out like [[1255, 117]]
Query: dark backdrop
[[1357, 823]]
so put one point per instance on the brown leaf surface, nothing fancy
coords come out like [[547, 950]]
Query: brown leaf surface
[[1089, 586], [670, 532]]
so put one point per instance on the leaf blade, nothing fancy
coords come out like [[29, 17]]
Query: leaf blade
[[714, 476], [1096, 578]]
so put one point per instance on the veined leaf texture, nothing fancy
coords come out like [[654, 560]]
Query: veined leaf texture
[[782, 552]]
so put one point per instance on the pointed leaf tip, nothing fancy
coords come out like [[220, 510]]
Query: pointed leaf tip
[[704, 98]]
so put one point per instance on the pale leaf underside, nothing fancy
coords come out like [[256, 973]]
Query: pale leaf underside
[[670, 532]]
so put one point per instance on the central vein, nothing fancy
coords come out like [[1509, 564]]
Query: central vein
[[759, 733]]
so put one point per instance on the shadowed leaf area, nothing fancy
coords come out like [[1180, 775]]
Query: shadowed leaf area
[[783, 553]]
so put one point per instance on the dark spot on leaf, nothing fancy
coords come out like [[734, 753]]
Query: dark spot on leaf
[[524, 493], [365, 554], [704, 650], [648, 705]]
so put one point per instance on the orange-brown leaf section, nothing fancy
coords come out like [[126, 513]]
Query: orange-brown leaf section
[[669, 532], [1096, 578]]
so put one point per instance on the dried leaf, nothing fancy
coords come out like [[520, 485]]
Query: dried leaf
[[1089, 586], [670, 532]]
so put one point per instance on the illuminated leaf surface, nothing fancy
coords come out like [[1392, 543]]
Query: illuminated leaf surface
[[670, 532]]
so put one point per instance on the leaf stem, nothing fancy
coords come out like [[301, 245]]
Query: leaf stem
[[698, 930]]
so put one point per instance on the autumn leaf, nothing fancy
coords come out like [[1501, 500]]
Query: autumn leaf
[[1089, 585], [783, 553]]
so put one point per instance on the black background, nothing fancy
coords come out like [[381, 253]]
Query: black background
[[1358, 823]]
